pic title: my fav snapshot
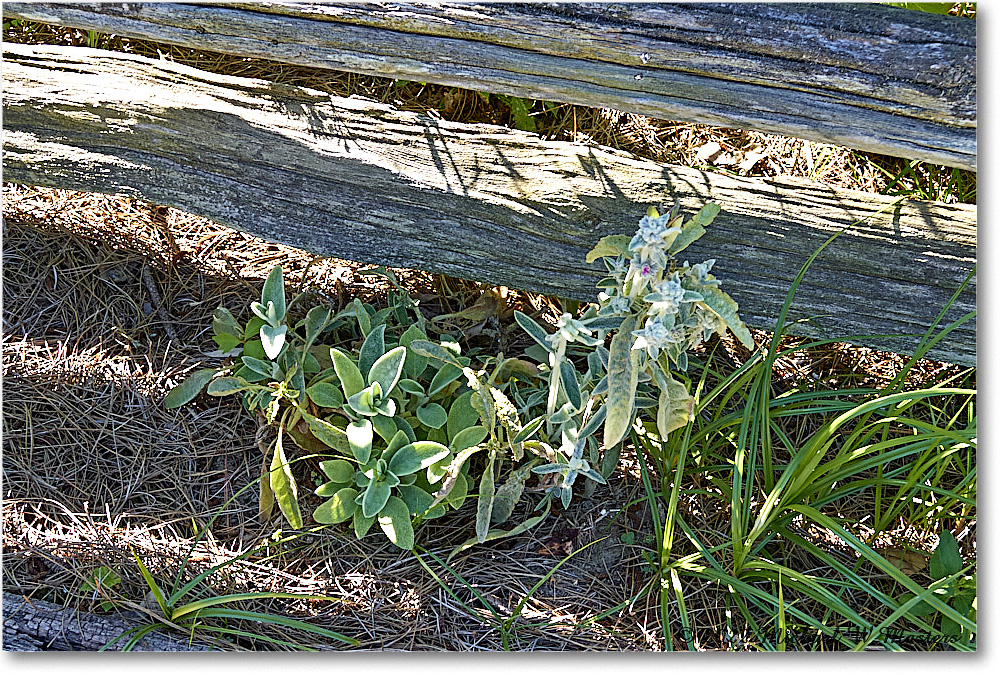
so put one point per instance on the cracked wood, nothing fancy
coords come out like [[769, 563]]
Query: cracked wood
[[867, 76], [363, 181]]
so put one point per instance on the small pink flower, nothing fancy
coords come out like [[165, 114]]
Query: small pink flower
[[646, 270]]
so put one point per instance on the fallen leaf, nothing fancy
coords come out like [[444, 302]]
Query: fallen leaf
[[907, 560]]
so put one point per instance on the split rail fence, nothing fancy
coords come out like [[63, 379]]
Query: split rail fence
[[367, 182]]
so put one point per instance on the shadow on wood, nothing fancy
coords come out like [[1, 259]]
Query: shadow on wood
[[867, 76], [363, 181]]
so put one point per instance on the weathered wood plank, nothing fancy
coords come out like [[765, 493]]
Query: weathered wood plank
[[866, 76], [37, 625], [361, 180]]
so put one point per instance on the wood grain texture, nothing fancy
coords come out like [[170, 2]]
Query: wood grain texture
[[867, 76], [36, 626], [363, 181]]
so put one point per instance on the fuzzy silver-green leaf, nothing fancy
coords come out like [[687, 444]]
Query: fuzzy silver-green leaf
[[623, 377]]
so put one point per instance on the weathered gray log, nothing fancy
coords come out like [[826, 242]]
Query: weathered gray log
[[360, 180], [866, 76], [37, 625]]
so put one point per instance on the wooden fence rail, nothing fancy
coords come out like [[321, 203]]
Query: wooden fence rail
[[364, 181], [866, 76]]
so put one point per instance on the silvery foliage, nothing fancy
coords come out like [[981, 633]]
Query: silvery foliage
[[658, 310], [670, 309]]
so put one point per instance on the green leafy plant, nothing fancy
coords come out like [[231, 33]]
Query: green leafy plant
[[401, 415], [658, 310], [953, 587], [99, 581]]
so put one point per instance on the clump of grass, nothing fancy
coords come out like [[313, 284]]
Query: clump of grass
[[811, 478]]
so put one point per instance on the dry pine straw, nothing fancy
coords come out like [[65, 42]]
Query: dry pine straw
[[93, 464], [108, 303]]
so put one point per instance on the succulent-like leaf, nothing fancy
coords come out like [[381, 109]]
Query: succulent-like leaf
[[363, 402], [359, 436], [484, 508], [435, 351], [284, 487], [415, 363], [364, 318], [264, 312], [461, 415], [385, 427], [372, 348], [265, 499], [338, 470], [675, 408], [570, 384], [337, 509], [395, 443], [223, 321], [482, 400], [273, 339], [432, 415], [227, 386], [394, 519], [415, 456], [604, 322], [375, 497], [507, 496], [410, 386], [189, 388], [532, 328], [610, 460], [254, 348], [459, 490], [946, 559], [330, 488], [417, 500], [317, 319], [386, 408], [445, 376], [387, 369], [623, 377], [692, 230], [262, 366], [274, 291], [610, 246], [227, 342], [362, 523], [325, 395], [468, 437], [594, 422], [350, 376], [330, 435], [723, 305], [517, 369], [252, 331]]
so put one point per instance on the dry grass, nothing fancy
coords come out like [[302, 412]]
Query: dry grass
[[107, 303]]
